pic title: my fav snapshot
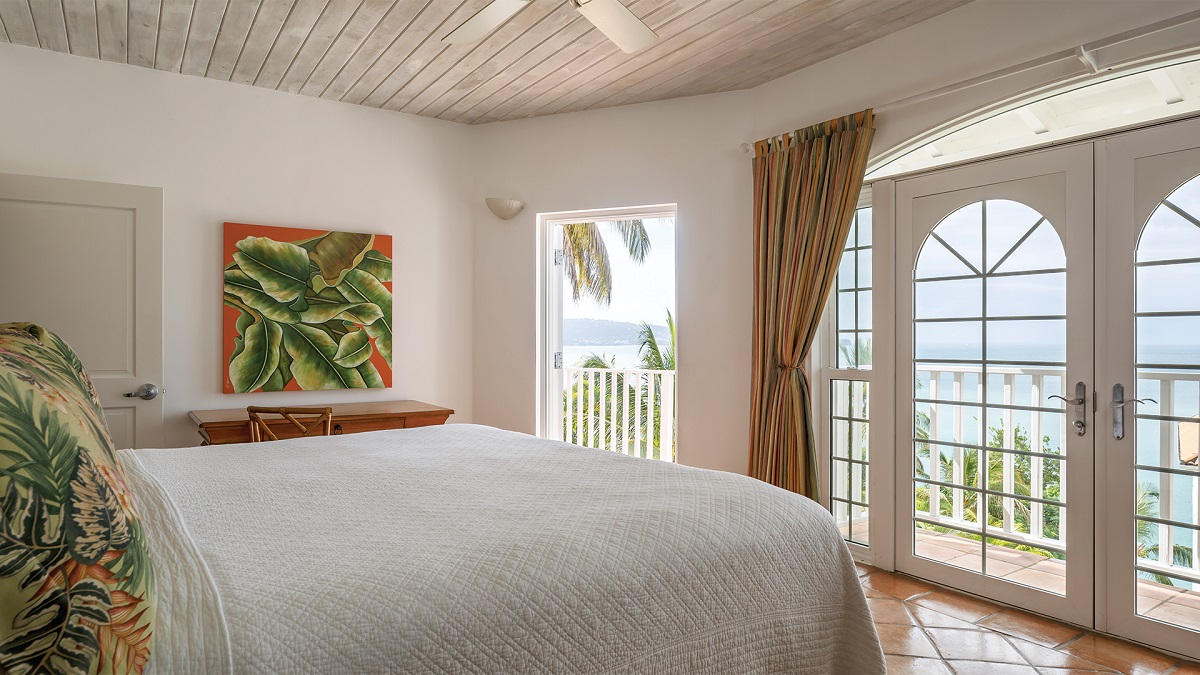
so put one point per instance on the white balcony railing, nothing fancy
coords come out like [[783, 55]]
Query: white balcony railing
[[1172, 473], [1173, 516], [630, 411], [956, 378]]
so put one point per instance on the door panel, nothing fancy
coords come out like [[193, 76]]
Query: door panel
[[87, 258], [1152, 324], [994, 309]]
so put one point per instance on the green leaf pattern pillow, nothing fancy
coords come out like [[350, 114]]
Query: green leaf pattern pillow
[[76, 582]]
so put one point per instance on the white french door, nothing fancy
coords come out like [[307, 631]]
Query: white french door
[[1150, 331], [994, 344], [1048, 382]]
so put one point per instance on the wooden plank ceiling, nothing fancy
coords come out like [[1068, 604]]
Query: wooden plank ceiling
[[388, 53]]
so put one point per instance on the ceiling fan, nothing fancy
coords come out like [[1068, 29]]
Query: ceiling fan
[[612, 18]]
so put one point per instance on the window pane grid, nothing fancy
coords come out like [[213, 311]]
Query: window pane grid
[[1167, 422], [852, 302], [989, 342], [849, 473], [849, 462]]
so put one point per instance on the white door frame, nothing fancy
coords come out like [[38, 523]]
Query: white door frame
[[549, 422], [822, 362], [1075, 162]]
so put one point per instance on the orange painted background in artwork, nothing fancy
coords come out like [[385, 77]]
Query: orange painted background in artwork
[[235, 232]]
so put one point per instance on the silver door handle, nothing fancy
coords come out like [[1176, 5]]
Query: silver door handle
[[1080, 403], [146, 392], [1118, 407]]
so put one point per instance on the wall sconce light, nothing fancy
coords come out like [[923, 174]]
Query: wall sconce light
[[504, 209]]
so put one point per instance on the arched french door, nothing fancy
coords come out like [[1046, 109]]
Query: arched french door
[[994, 307], [1152, 385], [1048, 381]]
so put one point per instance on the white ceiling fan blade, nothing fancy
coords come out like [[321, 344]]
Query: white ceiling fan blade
[[618, 23], [485, 21]]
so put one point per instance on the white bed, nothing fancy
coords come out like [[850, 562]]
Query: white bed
[[464, 548]]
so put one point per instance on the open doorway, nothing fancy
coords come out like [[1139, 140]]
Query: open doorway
[[610, 324]]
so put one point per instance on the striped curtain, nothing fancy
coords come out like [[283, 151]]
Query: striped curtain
[[806, 187]]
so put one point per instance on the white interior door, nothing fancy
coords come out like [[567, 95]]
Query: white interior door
[[84, 259], [1150, 333], [994, 310]]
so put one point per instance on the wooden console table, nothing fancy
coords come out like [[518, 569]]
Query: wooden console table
[[233, 426]]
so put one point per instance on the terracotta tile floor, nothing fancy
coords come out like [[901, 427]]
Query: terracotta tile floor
[[928, 630], [1157, 601]]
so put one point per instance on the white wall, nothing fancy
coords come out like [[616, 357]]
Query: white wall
[[227, 152], [683, 151], [686, 151]]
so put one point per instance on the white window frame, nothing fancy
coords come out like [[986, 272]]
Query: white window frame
[[880, 378], [548, 421]]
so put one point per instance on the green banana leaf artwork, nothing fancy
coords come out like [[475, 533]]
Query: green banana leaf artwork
[[306, 309]]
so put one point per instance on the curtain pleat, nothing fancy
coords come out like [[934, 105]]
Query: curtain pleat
[[806, 187]]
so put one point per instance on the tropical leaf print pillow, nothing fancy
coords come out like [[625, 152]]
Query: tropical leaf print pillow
[[76, 582]]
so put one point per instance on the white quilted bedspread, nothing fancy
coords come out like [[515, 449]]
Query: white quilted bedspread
[[466, 549]]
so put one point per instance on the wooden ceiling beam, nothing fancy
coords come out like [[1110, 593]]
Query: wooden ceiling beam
[[546, 59], [264, 32], [175, 22], [297, 28], [485, 59], [51, 25], [328, 28], [356, 31], [112, 27], [207, 16], [80, 18], [413, 52], [18, 23]]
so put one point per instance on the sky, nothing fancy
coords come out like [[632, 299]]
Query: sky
[[1170, 288], [640, 292]]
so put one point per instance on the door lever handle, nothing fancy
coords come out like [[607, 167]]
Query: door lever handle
[[1118, 407], [1114, 404], [1080, 401]]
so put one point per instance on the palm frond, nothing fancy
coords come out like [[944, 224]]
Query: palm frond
[[585, 258], [652, 355], [595, 360], [648, 350], [637, 240]]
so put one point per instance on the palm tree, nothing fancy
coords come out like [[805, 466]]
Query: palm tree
[[619, 389], [585, 256], [1022, 476], [1147, 535], [654, 357], [857, 356], [585, 428]]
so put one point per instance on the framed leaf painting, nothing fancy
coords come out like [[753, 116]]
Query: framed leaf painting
[[306, 309]]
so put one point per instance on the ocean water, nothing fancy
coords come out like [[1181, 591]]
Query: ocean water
[[1156, 440], [626, 355]]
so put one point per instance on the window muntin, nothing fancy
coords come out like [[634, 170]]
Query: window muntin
[[850, 457], [853, 298], [989, 349], [849, 364], [1168, 422]]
